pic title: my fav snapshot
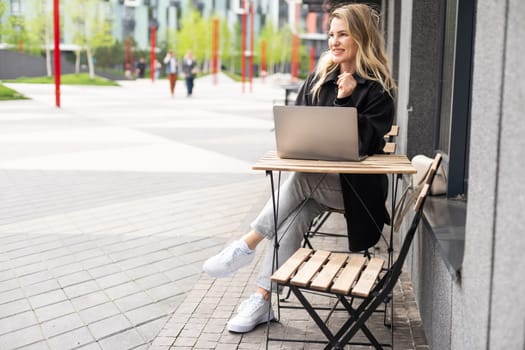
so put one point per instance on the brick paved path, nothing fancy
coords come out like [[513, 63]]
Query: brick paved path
[[110, 204], [200, 321]]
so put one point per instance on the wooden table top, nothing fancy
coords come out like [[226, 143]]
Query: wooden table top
[[375, 164]]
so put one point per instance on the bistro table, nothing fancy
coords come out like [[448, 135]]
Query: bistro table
[[393, 164], [374, 164]]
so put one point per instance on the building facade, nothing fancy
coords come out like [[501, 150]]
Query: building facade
[[461, 92], [134, 18]]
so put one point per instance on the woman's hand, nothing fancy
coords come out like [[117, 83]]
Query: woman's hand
[[345, 85]]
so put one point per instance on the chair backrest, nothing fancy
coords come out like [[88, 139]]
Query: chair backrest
[[383, 289], [390, 145], [431, 174], [412, 192], [390, 279]]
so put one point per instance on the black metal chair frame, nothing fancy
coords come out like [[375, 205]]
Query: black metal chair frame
[[319, 221], [275, 261], [380, 294]]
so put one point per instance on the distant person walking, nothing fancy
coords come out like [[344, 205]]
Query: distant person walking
[[141, 68], [189, 69], [171, 70], [158, 66]]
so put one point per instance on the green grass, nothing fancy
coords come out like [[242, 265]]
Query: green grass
[[10, 94], [234, 76], [67, 79]]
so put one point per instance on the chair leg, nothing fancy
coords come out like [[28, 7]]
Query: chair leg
[[340, 339], [333, 343], [364, 328], [364, 311], [288, 294], [389, 303], [319, 221]]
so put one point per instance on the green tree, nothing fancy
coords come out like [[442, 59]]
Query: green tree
[[278, 47], [111, 56], [40, 30], [268, 34], [225, 41], [284, 46], [194, 35], [15, 31], [90, 29], [236, 41], [3, 8]]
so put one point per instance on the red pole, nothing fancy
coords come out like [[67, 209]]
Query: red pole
[[295, 56], [126, 47], [312, 59], [152, 58], [251, 44], [243, 44], [296, 43], [56, 13], [131, 58], [263, 59], [215, 49]]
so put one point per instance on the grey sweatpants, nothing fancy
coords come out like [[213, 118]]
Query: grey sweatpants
[[299, 204]]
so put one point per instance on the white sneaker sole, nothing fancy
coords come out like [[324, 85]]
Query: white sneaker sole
[[210, 267], [236, 328], [215, 274]]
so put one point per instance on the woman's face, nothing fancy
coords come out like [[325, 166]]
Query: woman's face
[[342, 47]]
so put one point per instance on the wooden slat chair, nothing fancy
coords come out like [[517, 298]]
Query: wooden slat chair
[[348, 277], [390, 146], [320, 220]]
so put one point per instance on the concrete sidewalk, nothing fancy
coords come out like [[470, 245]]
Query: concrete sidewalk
[[110, 205]]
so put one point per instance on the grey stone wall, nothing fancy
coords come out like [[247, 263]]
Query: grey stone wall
[[425, 74], [484, 308], [507, 309], [491, 290], [14, 64], [476, 284]]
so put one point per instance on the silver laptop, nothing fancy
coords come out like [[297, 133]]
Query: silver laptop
[[315, 132]]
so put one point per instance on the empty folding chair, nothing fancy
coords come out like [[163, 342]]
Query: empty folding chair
[[360, 285]]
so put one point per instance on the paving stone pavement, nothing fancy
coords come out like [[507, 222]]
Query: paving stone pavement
[[110, 204], [200, 322]]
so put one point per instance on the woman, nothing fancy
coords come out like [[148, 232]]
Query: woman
[[189, 69], [171, 70], [352, 73]]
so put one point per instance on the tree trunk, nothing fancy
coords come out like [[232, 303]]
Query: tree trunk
[[48, 61], [77, 61], [48, 52], [91, 68]]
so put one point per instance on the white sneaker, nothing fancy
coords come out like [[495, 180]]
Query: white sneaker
[[252, 312], [232, 258]]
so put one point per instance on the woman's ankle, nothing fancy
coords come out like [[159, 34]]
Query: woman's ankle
[[252, 239], [265, 293]]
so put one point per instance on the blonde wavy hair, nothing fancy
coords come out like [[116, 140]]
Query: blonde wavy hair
[[371, 61]]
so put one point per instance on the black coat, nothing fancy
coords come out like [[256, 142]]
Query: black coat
[[375, 109]]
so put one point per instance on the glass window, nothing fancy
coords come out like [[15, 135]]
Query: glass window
[[16, 7], [449, 46], [454, 116]]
